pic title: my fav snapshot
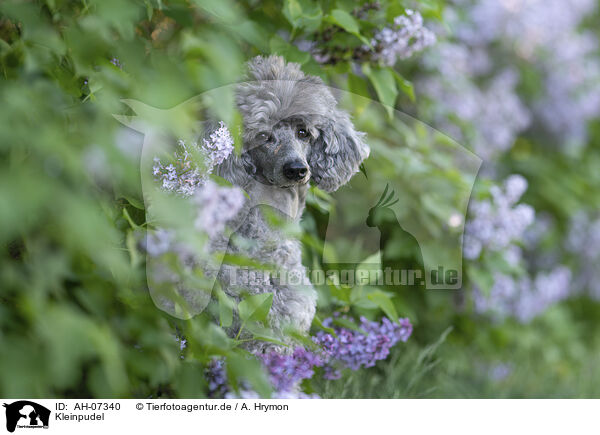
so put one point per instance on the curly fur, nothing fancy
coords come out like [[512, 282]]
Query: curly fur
[[277, 97]]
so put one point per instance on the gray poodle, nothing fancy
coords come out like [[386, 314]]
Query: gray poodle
[[293, 133]]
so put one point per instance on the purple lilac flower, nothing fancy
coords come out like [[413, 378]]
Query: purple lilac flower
[[523, 298], [493, 111], [499, 223], [406, 37], [500, 371], [294, 395], [116, 62], [250, 394], [216, 377], [530, 24], [356, 349], [583, 241], [544, 33], [286, 371], [571, 94]]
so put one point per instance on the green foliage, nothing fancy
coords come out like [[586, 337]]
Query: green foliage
[[76, 317]]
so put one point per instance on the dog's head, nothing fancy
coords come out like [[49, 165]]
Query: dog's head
[[293, 130]]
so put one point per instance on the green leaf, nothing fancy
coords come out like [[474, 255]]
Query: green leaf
[[347, 22], [340, 293], [256, 307], [345, 323], [241, 260], [129, 220], [292, 11], [132, 248], [384, 83], [290, 52], [384, 302], [243, 366], [319, 324], [224, 11], [226, 306], [303, 14], [369, 268], [137, 203], [359, 93], [405, 86], [482, 278], [264, 334]]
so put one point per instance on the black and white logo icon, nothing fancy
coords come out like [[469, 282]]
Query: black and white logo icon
[[26, 414]]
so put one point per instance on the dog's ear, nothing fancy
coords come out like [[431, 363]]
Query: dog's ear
[[337, 153], [237, 170]]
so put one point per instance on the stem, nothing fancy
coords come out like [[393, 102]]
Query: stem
[[240, 331]]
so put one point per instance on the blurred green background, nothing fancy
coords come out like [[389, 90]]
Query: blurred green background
[[75, 314]]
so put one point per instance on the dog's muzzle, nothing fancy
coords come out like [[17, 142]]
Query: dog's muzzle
[[295, 170]]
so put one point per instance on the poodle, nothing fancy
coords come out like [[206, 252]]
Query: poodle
[[293, 134]]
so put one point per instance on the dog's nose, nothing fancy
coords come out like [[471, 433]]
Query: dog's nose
[[295, 170]]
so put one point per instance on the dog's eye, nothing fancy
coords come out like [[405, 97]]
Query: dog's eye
[[302, 133], [262, 137]]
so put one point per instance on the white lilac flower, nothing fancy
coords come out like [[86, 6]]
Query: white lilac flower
[[220, 145], [216, 205], [181, 178], [498, 223], [185, 176], [406, 37], [159, 242]]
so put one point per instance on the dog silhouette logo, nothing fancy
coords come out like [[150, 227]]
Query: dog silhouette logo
[[26, 414], [383, 217]]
